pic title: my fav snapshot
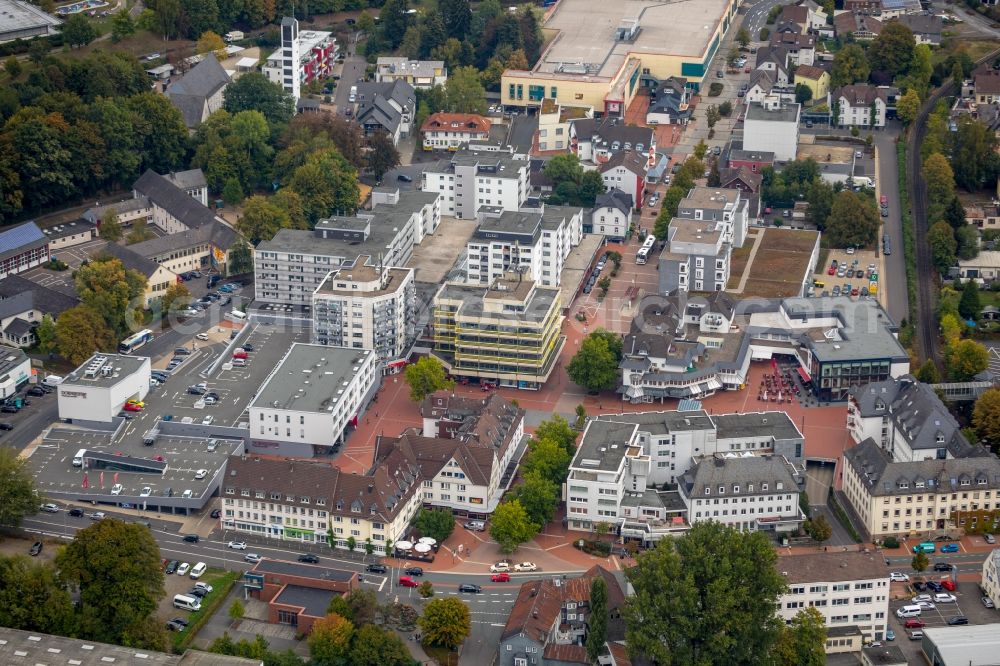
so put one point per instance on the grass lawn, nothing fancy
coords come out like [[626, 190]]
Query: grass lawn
[[975, 48], [222, 582]]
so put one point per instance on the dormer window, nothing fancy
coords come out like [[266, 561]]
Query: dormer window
[[230, 491], [736, 489], [904, 485], [939, 438], [722, 490], [763, 487], [749, 487], [304, 500], [708, 491]]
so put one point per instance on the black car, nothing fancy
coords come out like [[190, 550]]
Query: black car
[[171, 567], [191, 538], [125, 415], [215, 513], [376, 568], [35, 391], [6, 426], [36, 548], [248, 347], [309, 558], [212, 394], [196, 390], [9, 409], [413, 571], [197, 592], [958, 619], [76, 513], [920, 586], [470, 588], [182, 351], [168, 492], [179, 620], [935, 586], [404, 178], [173, 625], [942, 566]]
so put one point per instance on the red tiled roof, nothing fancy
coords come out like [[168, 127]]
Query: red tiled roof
[[456, 122], [572, 654]]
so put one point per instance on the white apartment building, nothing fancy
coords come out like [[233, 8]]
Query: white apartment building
[[471, 180], [303, 57], [535, 245], [858, 105], [772, 124], [612, 215], [673, 440], [366, 306], [849, 588], [608, 464], [418, 73], [555, 124], [98, 389], [626, 171], [919, 498], [990, 582], [311, 399], [299, 500], [907, 419], [743, 491]]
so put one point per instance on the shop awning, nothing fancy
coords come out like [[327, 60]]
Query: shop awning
[[804, 375], [396, 364]]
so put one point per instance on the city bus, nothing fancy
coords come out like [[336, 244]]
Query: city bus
[[133, 342], [643, 254]]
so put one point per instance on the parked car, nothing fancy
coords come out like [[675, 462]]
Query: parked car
[[406, 581], [36, 548], [376, 568], [526, 566], [201, 474], [196, 592], [934, 586], [957, 620], [987, 602], [897, 577], [413, 571], [890, 635], [944, 598], [183, 568], [171, 567], [35, 391], [470, 588], [174, 626], [308, 558], [914, 623], [499, 567], [500, 578], [948, 585], [949, 548], [988, 538], [215, 513]]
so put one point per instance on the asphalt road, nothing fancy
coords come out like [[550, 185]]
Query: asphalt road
[[353, 70], [894, 279]]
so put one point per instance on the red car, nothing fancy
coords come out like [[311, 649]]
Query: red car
[[914, 623], [131, 407], [832, 270], [406, 581], [854, 292], [239, 353], [500, 578], [158, 458], [747, 69], [948, 585]]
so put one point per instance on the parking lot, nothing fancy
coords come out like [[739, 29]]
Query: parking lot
[[968, 604], [836, 284]]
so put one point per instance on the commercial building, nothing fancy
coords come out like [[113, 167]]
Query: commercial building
[[744, 491], [98, 389], [307, 501], [472, 179], [535, 245], [680, 346], [849, 589], [772, 125], [15, 370], [22, 20], [199, 93], [418, 73], [310, 400], [990, 581], [506, 334], [366, 306], [969, 645], [21, 248], [303, 57], [297, 594], [612, 215], [907, 419], [601, 49], [920, 497], [448, 131]]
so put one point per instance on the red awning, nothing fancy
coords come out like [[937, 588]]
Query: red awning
[[804, 375], [396, 364]]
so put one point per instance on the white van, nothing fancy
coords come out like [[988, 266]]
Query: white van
[[185, 602], [239, 363], [238, 315], [198, 570], [78, 458], [908, 611], [354, 94], [52, 380]]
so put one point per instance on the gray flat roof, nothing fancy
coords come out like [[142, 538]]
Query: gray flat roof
[[122, 365], [759, 424], [971, 645], [23, 16], [10, 357], [865, 334], [604, 443], [786, 113], [310, 378], [661, 423], [313, 601], [315, 571]]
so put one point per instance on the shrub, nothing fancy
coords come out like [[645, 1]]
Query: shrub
[[715, 89], [600, 548], [890, 542]]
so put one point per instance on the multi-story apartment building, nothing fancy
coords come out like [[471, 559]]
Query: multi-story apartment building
[[847, 588], [311, 398], [418, 73], [626, 171], [773, 124], [554, 125], [303, 57], [290, 267], [907, 419], [990, 581], [297, 500], [612, 215], [471, 180], [535, 245], [596, 140], [505, 334], [744, 491], [919, 497], [448, 131], [673, 440], [366, 306], [858, 105]]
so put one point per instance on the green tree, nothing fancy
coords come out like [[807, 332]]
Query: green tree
[[820, 198], [18, 495], [591, 185], [726, 109], [684, 610], [425, 377], [232, 192], [853, 221], [597, 632], [374, 646], [965, 359], [326, 183], [236, 610], [446, 622], [803, 93], [563, 168], [139, 232], [558, 430], [261, 219], [986, 417], [176, 297], [892, 51], [122, 26], [907, 106], [819, 529], [80, 331], [850, 65], [330, 640], [426, 589], [539, 496], [13, 67], [32, 597], [46, 334], [382, 154], [928, 373], [211, 42], [511, 526], [970, 306], [954, 214], [366, 23], [919, 563], [712, 116], [352, 543], [701, 148], [435, 523], [547, 459], [115, 567], [110, 229], [940, 181], [743, 38], [973, 156], [240, 258], [253, 92], [594, 367], [803, 642], [77, 30], [394, 21], [464, 92], [941, 238]]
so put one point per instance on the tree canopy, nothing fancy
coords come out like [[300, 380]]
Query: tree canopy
[[425, 377], [595, 366], [18, 495], [853, 221], [511, 526], [253, 92], [986, 417], [435, 523]]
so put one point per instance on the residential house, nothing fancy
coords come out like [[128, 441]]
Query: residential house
[[548, 623], [742, 179], [860, 26], [597, 140], [22, 247], [199, 93], [626, 171], [763, 88], [470, 180], [807, 16], [849, 589], [858, 105], [554, 125], [386, 107], [919, 498], [986, 85], [158, 278], [793, 48], [774, 61], [297, 594], [23, 305], [990, 581], [984, 267], [814, 78], [612, 215], [418, 73], [755, 160], [303, 57], [669, 103], [448, 131], [926, 27], [772, 125]]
